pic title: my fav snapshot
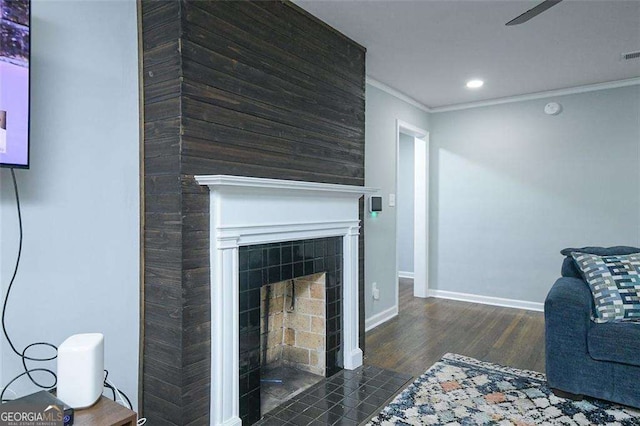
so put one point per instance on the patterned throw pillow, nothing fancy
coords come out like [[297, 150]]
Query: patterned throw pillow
[[614, 283]]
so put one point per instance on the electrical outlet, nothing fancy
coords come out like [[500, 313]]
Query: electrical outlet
[[392, 200], [375, 291]]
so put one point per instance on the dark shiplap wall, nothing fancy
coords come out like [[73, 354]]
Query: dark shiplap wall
[[241, 88], [162, 346], [278, 99]]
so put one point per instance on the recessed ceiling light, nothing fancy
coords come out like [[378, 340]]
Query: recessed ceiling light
[[474, 84]]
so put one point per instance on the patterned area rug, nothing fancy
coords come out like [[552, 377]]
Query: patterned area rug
[[459, 390]]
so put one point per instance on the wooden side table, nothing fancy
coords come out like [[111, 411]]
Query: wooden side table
[[105, 412]]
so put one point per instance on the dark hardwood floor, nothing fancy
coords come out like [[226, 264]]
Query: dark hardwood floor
[[425, 329]]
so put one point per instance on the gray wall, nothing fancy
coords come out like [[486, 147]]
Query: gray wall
[[511, 186], [380, 164], [80, 199], [405, 204]]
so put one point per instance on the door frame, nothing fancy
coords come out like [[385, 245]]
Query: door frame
[[420, 210]]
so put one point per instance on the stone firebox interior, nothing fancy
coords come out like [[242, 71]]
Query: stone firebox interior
[[293, 324], [292, 339], [261, 265]]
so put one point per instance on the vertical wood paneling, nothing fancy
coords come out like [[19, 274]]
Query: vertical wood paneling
[[242, 88]]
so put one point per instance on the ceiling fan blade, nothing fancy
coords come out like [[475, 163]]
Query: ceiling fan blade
[[533, 12]]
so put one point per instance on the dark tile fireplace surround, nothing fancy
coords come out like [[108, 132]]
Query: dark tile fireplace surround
[[265, 264]]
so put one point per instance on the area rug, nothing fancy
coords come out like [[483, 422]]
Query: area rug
[[459, 390]]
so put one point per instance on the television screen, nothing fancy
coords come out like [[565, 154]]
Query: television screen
[[14, 82]]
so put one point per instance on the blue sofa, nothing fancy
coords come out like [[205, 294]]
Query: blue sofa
[[584, 358]]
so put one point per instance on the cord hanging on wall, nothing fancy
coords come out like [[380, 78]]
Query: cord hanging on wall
[[23, 355]]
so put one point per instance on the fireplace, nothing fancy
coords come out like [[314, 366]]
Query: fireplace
[[250, 214], [294, 323]]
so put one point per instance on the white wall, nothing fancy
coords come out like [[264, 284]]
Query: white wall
[[405, 203], [80, 199], [382, 111], [511, 186]]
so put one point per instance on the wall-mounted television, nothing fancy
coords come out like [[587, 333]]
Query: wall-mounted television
[[15, 52]]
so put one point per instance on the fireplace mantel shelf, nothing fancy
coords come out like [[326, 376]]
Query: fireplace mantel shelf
[[293, 185]]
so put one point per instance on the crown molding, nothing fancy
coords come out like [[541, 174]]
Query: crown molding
[[393, 92], [540, 95], [499, 101]]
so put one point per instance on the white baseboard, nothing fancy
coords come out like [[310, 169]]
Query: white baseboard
[[488, 300], [381, 318], [405, 274]]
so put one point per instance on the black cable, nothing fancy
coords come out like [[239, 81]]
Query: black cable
[[107, 385], [113, 389], [24, 358], [23, 355], [127, 398], [15, 270], [17, 377], [26, 369]]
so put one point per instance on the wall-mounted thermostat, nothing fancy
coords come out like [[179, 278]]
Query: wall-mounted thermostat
[[375, 204]]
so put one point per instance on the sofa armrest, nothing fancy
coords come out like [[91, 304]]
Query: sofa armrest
[[571, 295], [567, 312]]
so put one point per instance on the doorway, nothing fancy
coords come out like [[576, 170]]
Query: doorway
[[412, 216]]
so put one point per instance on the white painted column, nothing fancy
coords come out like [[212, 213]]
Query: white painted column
[[225, 333], [352, 352], [421, 218]]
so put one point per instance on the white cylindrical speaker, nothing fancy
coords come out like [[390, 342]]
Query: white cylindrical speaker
[[81, 369]]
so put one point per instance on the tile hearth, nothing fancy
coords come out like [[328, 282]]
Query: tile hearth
[[283, 383], [348, 398]]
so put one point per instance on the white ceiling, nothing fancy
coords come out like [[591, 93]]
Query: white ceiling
[[428, 49]]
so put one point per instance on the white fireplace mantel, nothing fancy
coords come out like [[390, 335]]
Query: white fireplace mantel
[[248, 211]]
